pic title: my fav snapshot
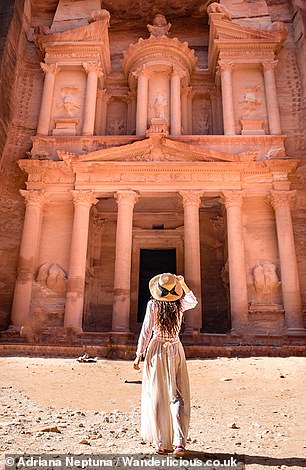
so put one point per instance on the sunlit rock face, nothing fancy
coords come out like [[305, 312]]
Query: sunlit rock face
[[147, 137]]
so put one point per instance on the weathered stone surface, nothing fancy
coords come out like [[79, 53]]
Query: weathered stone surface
[[124, 113]]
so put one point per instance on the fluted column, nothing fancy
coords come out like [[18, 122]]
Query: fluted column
[[280, 201], [226, 69], [233, 201], [83, 201], [142, 102], [192, 254], [50, 71], [122, 282], [176, 120], [93, 72], [28, 255], [271, 97]]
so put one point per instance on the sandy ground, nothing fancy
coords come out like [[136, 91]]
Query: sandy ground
[[254, 408]]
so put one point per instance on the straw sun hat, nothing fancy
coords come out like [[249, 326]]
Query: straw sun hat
[[165, 287]]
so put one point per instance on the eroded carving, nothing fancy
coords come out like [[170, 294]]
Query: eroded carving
[[160, 26], [265, 280], [53, 277]]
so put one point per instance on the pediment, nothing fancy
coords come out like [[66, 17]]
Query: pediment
[[91, 32], [225, 29], [157, 148]]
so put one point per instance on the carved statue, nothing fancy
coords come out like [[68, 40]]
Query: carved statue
[[160, 26], [265, 277], [251, 100], [217, 8], [69, 105], [116, 127], [52, 276], [100, 15], [159, 106]]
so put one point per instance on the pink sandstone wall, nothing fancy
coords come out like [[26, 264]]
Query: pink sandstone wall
[[21, 89]]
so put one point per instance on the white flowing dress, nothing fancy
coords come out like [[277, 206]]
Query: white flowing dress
[[165, 397]]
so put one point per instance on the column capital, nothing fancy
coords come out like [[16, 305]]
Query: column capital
[[127, 196], [176, 71], [269, 65], [191, 198], [93, 67], [232, 198], [224, 66], [281, 198], [106, 97], [34, 197], [50, 68], [84, 198], [143, 71]]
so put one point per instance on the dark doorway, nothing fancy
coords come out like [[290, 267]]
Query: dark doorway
[[152, 262]]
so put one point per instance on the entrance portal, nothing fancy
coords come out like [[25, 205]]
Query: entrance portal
[[152, 262]]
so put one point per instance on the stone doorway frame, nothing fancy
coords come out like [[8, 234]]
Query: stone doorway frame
[[151, 239]]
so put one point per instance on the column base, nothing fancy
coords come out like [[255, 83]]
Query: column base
[[73, 330], [296, 331]]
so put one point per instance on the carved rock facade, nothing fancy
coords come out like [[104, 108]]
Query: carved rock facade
[[160, 155]]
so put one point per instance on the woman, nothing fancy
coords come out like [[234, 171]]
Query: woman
[[165, 400]]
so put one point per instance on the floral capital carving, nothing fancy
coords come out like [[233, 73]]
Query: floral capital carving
[[50, 68], [128, 197], [33, 197], [86, 198], [191, 198], [232, 198], [225, 66], [269, 65], [92, 67], [281, 198]]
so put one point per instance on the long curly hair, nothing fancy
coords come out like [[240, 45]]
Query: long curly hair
[[168, 315]]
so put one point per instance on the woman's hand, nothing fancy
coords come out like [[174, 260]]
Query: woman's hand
[[181, 280], [136, 363]]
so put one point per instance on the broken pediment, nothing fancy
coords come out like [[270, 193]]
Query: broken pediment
[[156, 148], [244, 42]]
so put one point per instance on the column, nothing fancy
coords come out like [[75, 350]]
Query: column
[[175, 119], [236, 260], [216, 108], [83, 201], [280, 201], [131, 102], [184, 99], [271, 97], [121, 303], [142, 102], [50, 71], [28, 256], [189, 108], [227, 97], [105, 98], [192, 255], [93, 72]]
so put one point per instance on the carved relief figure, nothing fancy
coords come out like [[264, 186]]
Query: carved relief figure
[[53, 277], [251, 101], [160, 106], [266, 280], [70, 103], [217, 8], [116, 127], [160, 26]]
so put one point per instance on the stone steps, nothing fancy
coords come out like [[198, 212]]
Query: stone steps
[[121, 351]]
